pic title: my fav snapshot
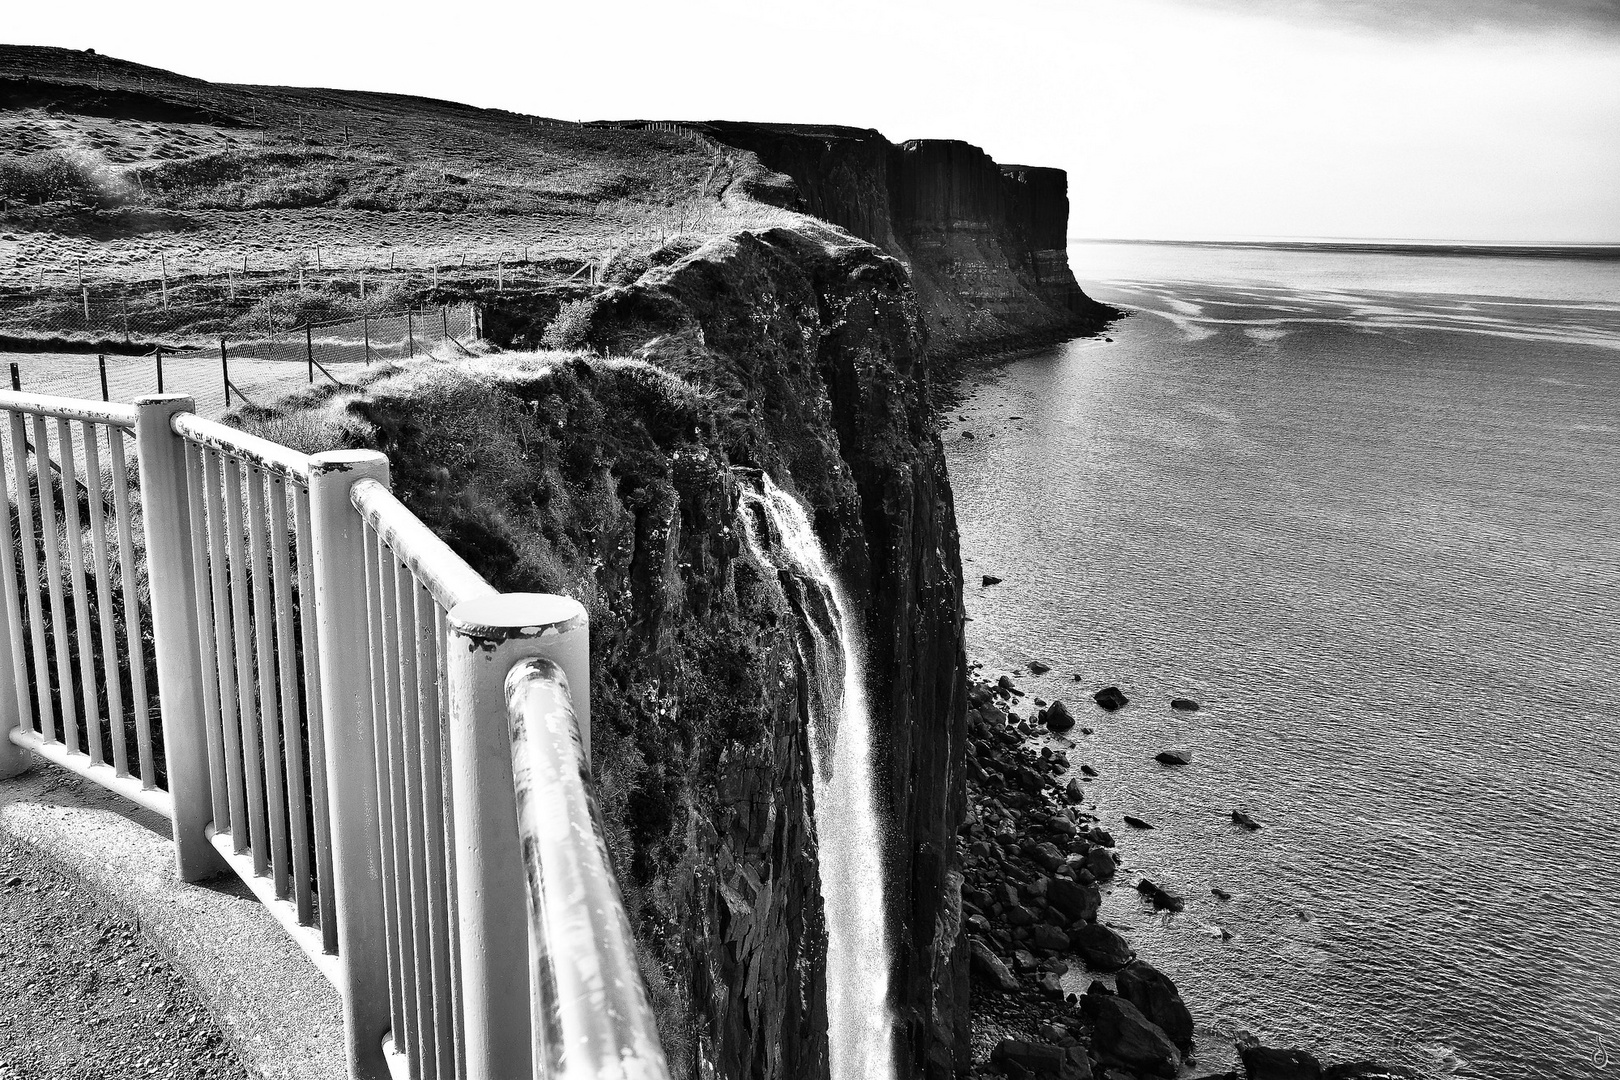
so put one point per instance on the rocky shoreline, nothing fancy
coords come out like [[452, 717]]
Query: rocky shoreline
[[1055, 991]]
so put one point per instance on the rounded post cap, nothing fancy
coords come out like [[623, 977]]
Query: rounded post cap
[[345, 460], [182, 402], [513, 616]]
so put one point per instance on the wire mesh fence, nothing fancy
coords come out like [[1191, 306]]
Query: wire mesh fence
[[245, 368]]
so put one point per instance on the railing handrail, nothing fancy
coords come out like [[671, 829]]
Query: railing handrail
[[94, 412], [591, 1017], [213, 435], [445, 575]]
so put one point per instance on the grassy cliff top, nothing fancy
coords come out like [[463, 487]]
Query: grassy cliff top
[[110, 168]]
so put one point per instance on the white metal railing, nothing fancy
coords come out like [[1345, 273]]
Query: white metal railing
[[352, 721]]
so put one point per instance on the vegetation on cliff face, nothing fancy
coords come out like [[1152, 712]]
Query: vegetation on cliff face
[[610, 478]]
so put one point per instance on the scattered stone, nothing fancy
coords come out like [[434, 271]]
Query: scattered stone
[[1266, 1063], [1240, 818], [1110, 698], [1051, 985], [991, 579], [1161, 899], [1047, 854], [1076, 902], [1182, 704], [968, 435], [1088, 770], [988, 966], [1048, 937], [1100, 863], [1074, 792], [1005, 683], [1123, 1036], [1100, 836], [1076, 1066], [1135, 822], [1057, 717], [1156, 997], [1172, 757], [1038, 668], [1032, 1057], [1220, 894], [1100, 947]]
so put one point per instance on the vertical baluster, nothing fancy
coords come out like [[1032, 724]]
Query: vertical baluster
[[207, 647], [439, 927], [110, 676], [13, 602], [53, 579], [292, 728], [132, 613], [82, 634], [264, 634], [315, 716], [415, 849], [441, 734], [224, 649], [397, 832], [379, 633], [252, 774]]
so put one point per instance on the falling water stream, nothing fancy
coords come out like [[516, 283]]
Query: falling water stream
[[860, 1025]]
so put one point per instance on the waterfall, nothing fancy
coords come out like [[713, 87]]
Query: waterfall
[[860, 1024]]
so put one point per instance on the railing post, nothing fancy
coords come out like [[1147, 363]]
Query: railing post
[[488, 636], [338, 546], [166, 520], [13, 676]]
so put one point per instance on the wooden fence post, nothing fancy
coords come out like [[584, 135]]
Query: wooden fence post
[[166, 521], [101, 362], [488, 636], [14, 679], [225, 371], [338, 548], [309, 353]]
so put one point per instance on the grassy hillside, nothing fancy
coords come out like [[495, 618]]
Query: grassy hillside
[[119, 173]]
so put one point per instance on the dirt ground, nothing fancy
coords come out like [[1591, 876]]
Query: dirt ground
[[83, 996]]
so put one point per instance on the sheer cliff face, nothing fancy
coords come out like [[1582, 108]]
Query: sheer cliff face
[[985, 244], [815, 345]]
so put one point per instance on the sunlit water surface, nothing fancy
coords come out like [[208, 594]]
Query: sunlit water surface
[[1366, 509]]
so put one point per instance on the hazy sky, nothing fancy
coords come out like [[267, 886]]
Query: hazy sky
[[1440, 119]]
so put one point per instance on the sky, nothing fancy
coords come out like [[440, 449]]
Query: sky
[[1464, 120]]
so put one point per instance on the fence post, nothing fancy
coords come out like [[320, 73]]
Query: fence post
[[101, 362], [85, 292], [338, 546], [309, 353], [166, 521], [13, 705], [16, 376], [487, 637], [410, 331], [225, 371], [365, 329], [157, 350]]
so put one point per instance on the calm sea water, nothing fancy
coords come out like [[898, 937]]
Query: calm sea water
[[1366, 509]]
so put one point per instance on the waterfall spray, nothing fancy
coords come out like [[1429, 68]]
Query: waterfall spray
[[860, 1024]]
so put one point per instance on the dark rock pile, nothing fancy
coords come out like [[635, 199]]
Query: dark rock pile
[[1033, 863]]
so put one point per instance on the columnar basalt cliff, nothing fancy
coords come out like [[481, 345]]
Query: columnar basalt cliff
[[986, 244]]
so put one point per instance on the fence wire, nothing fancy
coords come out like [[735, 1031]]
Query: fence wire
[[252, 369]]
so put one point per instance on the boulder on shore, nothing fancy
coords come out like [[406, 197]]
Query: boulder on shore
[[1122, 1035], [1110, 698], [1072, 900], [1156, 997], [989, 967], [991, 579], [1101, 947], [1162, 899], [1038, 668], [1172, 757], [1267, 1063], [1135, 822], [1182, 704], [1030, 1056], [1058, 717], [1247, 822], [1100, 863]]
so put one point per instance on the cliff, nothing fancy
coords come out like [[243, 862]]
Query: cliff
[[796, 351], [986, 244]]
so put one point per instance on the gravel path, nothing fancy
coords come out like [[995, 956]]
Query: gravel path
[[83, 995]]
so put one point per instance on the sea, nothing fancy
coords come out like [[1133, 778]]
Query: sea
[[1364, 507]]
